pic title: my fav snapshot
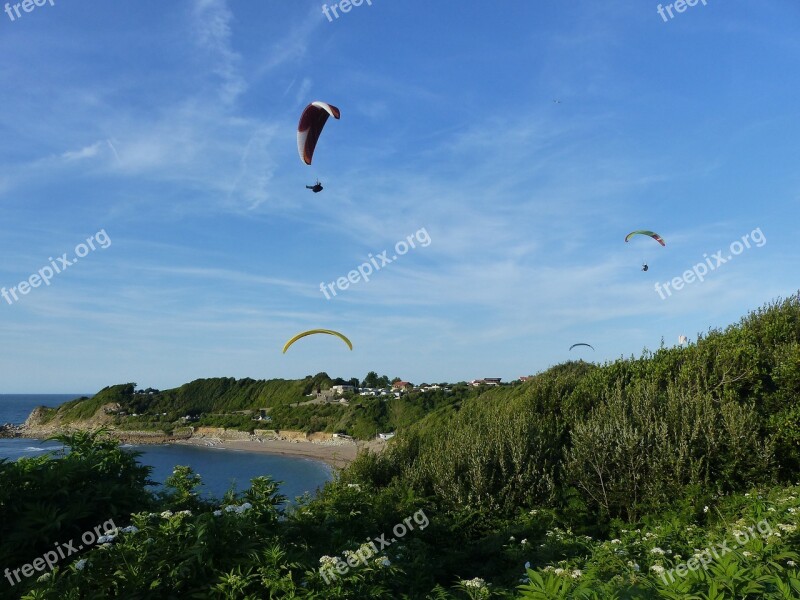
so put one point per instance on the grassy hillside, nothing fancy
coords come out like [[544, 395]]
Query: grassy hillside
[[221, 402], [622, 439]]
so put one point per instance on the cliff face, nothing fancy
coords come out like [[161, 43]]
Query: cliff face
[[46, 421], [37, 418]]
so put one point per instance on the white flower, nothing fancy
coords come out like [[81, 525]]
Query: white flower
[[559, 571], [166, 514], [576, 573], [130, 529], [230, 508], [657, 550], [43, 577], [633, 565], [705, 509], [80, 564], [791, 563], [512, 538], [385, 562], [217, 513], [657, 568], [185, 513], [616, 541], [328, 561], [746, 553], [475, 583], [523, 542]]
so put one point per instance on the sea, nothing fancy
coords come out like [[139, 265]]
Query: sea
[[219, 469]]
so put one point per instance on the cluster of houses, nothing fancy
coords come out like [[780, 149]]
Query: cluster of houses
[[397, 389]]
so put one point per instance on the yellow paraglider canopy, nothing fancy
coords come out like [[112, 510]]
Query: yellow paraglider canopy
[[315, 331]]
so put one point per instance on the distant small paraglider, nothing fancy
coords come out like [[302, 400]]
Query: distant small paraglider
[[581, 344], [647, 233], [651, 234], [316, 188]]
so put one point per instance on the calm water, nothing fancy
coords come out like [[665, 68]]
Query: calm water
[[220, 469]]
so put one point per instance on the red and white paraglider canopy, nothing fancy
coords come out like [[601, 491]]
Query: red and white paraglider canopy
[[312, 121]]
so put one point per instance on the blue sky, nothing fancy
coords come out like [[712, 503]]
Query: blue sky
[[171, 126]]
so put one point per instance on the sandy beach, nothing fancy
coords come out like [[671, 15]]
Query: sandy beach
[[338, 454]]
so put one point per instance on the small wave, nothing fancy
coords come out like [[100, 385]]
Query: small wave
[[38, 449]]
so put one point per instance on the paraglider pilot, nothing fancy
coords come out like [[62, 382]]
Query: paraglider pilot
[[317, 187], [645, 267]]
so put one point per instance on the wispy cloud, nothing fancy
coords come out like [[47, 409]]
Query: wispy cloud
[[212, 22]]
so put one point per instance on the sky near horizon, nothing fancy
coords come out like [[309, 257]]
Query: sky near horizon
[[521, 140]]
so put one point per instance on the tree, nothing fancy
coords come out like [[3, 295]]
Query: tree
[[371, 380]]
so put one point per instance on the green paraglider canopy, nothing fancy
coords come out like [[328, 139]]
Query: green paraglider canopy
[[651, 234]]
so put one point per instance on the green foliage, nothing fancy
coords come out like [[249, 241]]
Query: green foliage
[[48, 499]]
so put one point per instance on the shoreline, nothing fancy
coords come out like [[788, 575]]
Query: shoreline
[[337, 454]]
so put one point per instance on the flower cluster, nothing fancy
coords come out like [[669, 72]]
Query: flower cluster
[[238, 509], [477, 583]]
